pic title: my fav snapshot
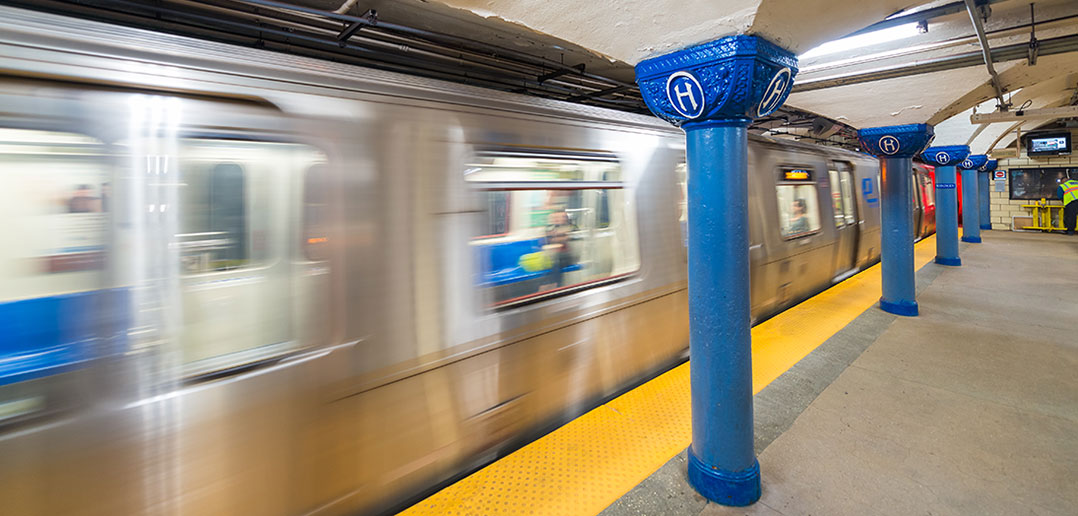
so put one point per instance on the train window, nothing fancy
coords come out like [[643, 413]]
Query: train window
[[55, 195], [497, 220], [552, 224], [847, 197], [799, 211], [836, 199]]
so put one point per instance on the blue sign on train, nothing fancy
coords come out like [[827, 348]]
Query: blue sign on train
[[868, 188]]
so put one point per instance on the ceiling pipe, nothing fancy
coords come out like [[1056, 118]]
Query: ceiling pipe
[[445, 38], [917, 16], [987, 51]]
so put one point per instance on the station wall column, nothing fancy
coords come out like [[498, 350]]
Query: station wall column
[[896, 146], [713, 91], [983, 188], [971, 209], [945, 158]]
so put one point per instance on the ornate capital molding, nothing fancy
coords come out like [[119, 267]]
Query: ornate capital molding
[[989, 166], [732, 78], [945, 155], [974, 162], [896, 141]]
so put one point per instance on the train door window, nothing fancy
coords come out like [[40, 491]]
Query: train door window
[[214, 218], [847, 197], [799, 212], [929, 190], [316, 215], [553, 223], [603, 213], [681, 170], [836, 199]]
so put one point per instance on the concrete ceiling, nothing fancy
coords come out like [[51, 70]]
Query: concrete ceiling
[[630, 30], [945, 99], [625, 31]]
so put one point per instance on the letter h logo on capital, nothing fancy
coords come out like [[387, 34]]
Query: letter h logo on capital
[[685, 94], [889, 145]]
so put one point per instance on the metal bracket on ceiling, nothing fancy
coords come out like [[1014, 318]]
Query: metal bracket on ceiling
[[975, 16], [369, 18], [558, 73], [1034, 45]]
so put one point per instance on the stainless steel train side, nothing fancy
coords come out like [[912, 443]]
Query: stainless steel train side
[[339, 354]]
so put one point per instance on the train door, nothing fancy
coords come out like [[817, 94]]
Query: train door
[[846, 227], [802, 247], [236, 243], [917, 203], [927, 186]]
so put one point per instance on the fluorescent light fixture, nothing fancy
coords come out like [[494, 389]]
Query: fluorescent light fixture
[[895, 33]]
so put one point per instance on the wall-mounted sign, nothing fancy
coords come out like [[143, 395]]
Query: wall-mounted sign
[[945, 186], [796, 174], [999, 175]]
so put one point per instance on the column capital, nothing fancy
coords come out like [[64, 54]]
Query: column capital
[[988, 166], [974, 162], [733, 79], [896, 141], [945, 155]]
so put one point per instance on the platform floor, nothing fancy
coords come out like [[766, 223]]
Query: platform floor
[[971, 408]]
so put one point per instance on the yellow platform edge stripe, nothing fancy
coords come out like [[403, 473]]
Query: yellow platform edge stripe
[[592, 461]]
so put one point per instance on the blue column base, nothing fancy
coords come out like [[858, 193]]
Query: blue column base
[[732, 488], [903, 308], [953, 262], [972, 240], [986, 226]]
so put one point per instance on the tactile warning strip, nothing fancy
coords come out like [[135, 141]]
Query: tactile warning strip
[[590, 462]]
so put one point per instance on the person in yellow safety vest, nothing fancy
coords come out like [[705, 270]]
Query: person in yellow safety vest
[[1068, 191]]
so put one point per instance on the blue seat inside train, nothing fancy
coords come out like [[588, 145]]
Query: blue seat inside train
[[501, 262]]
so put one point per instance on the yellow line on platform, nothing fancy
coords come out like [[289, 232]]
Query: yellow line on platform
[[590, 462]]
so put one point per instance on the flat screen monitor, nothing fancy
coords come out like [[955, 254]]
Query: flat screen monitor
[[1049, 144]]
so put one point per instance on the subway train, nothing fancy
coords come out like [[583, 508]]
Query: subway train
[[234, 281]]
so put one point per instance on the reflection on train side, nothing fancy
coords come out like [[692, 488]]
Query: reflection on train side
[[553, 223]]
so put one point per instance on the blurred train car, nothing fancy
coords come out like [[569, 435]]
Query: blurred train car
[[233, 281]]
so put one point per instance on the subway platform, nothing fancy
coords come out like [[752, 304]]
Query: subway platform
[[970, 408]]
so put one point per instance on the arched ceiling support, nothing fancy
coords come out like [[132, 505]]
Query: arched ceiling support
[[1051, 73]]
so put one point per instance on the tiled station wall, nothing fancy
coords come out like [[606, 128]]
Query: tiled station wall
[[1003, 208]]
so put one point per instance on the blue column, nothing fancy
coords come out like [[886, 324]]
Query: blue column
[[896, 146], [983, 189], [945, 158], [695, 89], [971, 210]]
